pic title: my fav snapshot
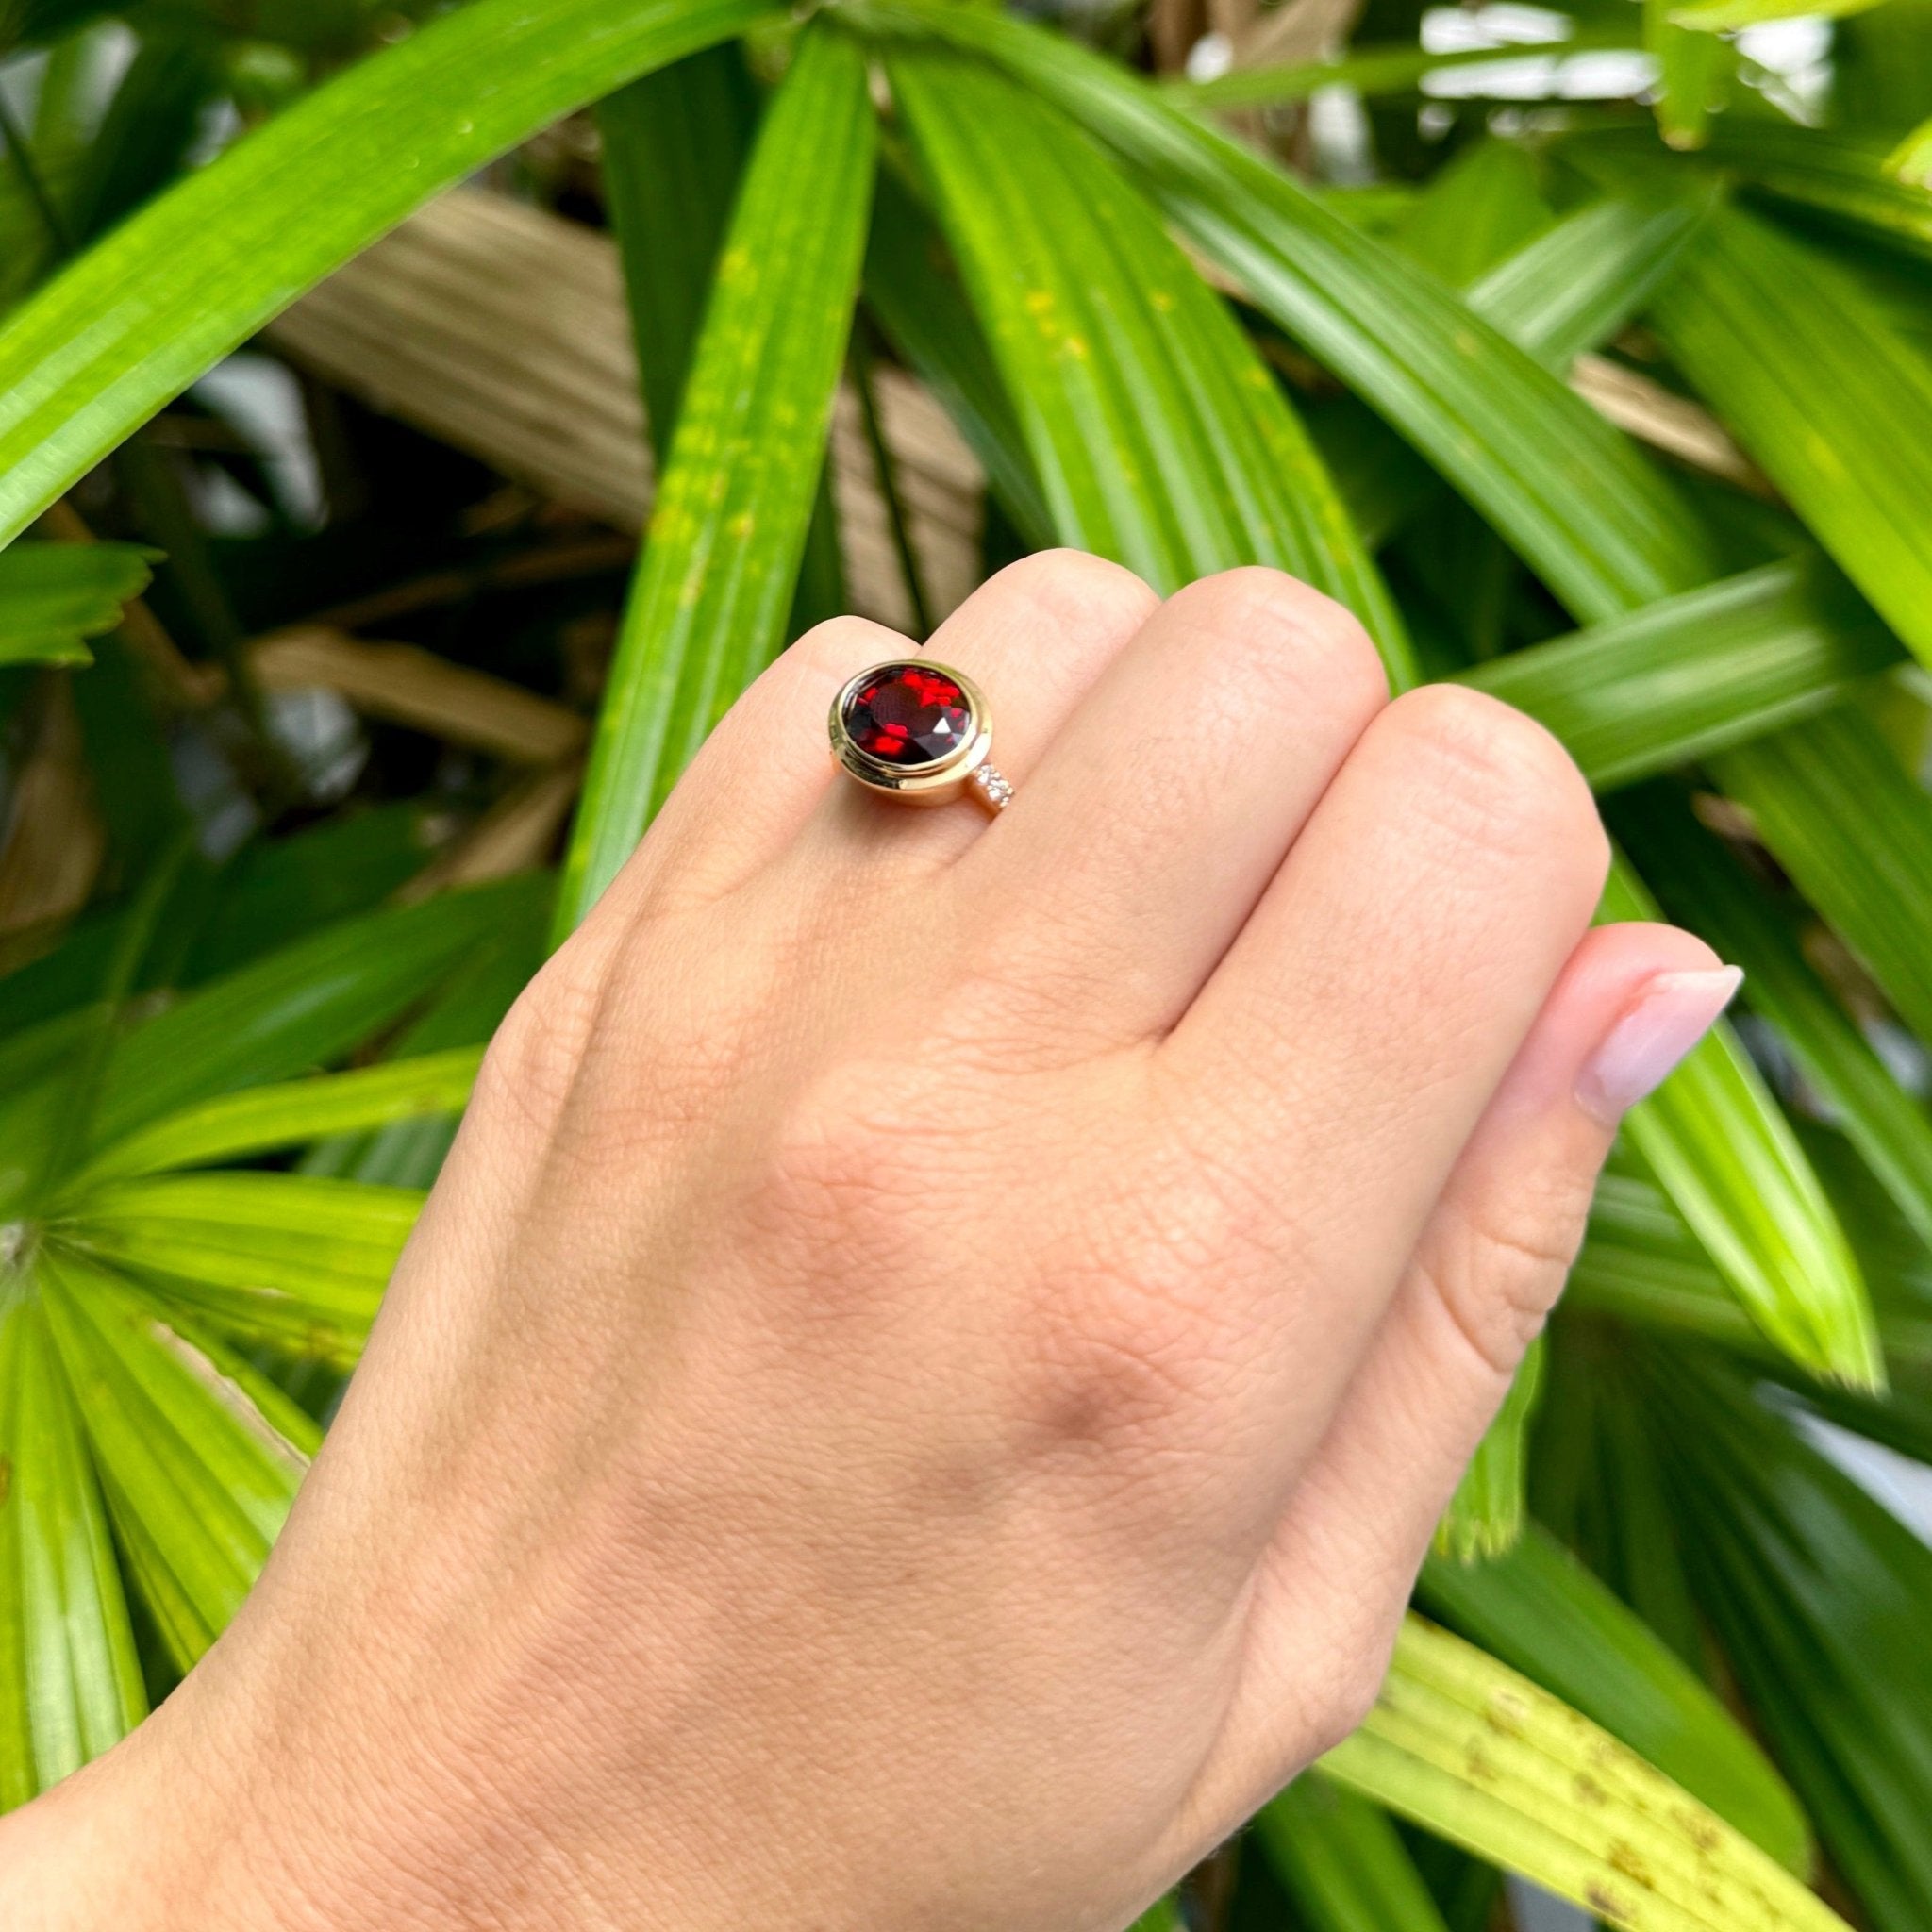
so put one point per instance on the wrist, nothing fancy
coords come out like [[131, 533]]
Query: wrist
[[173, 1830], [107, 1846]]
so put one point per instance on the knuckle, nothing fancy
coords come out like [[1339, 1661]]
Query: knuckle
[[838, 646], [1134, 1330], [1281, 617], [1343, 1704], [1284, 628], [1498, 1270], [847, 1169], [532, 1062], [1074, 586], [1498, 776], [1105, 1374]]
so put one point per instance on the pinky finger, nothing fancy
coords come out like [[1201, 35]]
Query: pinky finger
[[1490, 1264]]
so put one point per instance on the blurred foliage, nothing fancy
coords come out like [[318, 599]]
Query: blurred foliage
[[1586, 353]]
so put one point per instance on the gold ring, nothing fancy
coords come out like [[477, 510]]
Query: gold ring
[[919, 732]]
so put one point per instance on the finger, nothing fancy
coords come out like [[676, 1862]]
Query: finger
[[1330, 1073], [1488, 1270], [1128, 861], [1034, 637], [754, 780], [1043, 626]]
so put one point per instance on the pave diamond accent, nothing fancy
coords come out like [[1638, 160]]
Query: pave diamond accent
[[995, 791]]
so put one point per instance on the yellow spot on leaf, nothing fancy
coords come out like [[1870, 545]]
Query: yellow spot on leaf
[[1629, 1861], [1602, 1899]]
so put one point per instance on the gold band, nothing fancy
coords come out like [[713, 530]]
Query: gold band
[[918, 732]]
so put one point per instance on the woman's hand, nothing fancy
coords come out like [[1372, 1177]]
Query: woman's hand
[[921, 1391]]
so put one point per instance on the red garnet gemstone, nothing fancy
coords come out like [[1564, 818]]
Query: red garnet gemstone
[[908, 714]]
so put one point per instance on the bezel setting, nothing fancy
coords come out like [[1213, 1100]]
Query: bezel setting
[[934, 782]]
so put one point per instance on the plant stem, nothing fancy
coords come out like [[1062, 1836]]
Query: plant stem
[[22, 152], [863, 358]]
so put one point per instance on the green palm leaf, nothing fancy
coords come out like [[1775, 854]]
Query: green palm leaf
[[1590, 515], [1727, 16], [1342, 1862], [1576, 284], [198, 1456], [1543, 1613], [70, 1682], [261, 1120], [1695, 673], [1845, 181], [53, 597], [297, 1008], [1818, 1593], [1788, 348], [1889, 1127], [709, 599], [1752, 1198], [1121, 366], [1485, 1516], [137, 317], [1816, 791], [1910, 161], [298, 1262], [1374, 71], [1459, 1743], [673, 145], [912, 287]]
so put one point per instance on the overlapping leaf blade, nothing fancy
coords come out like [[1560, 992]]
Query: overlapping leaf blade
[[1590, 515], [1727, 16], [674, 142], [1543, 1613], [1121, 364], [299, 1007], [1691, 675], [199, 1457], [1888, 1125], [53, 597], [261, 1120], [296, 1261], [925, 312], [1818, 1593], [1844, 181], [1396, 67], [132, 321], [1851, 827], [1575, 285], [1464, 1745], [468, 1007], [1485, 1516], [1752, 1198], [1342, 1862], [711, 592], [1786, 347], [70, 1682], [1642, 1264]]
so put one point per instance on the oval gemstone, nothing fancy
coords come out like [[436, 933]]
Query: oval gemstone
[[908, 714]]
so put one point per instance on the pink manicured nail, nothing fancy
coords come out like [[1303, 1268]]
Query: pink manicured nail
[[1669, 1016]]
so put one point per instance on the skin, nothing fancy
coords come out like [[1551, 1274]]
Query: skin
[[923, 1389]]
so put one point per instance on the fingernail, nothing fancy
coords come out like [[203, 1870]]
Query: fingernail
[[1669, 1016]]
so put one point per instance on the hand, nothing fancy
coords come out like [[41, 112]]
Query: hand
[[921, 1393]]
